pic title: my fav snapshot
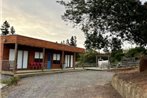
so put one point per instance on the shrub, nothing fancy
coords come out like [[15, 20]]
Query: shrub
[[11, 81]]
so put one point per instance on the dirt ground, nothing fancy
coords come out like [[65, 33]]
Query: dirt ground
[[136, 77], [85, 84]]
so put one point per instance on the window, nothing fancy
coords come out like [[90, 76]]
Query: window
[[56, 58], [38, 56]]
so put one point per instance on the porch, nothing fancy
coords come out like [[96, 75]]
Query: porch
[[21, 57], [29, 73]]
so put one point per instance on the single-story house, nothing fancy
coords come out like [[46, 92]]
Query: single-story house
[[31, 53]]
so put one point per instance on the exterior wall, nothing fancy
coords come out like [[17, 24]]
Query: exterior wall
[[46, 58], [31, 45], [6, 53], [31, 57], [22, 40], [1, 53], [1, 50], [56, 66], [5, 58]]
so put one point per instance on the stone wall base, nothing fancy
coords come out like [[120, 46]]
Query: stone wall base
[[127, 90]]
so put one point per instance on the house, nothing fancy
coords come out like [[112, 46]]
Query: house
[[23, 52]]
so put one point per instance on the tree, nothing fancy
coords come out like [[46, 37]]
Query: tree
[[73, 41], [88, 57], [12, 30], [136, 52], [67, 42], [116, 44], [116, 56], [125, 19], [5, 28]]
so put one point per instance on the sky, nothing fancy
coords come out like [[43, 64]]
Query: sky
[[39, 19]]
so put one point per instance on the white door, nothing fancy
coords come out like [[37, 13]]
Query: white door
[[66, 65], [25, 59], [11, 55], [19, 59], [68, 60], [71, 61]]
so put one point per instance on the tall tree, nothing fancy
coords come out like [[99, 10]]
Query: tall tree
[[67, 42], [5, 28], [116, 44], [12, 30], [75, 41], [125, 19], [72, 41]]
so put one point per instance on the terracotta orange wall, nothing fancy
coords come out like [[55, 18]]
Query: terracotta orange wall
[[31, 56], [6, 53], [55, 66], [46, 59], [1, 51]]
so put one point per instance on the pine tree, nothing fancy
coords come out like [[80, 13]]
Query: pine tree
[[63, 42], [12, 30], [75, 41], [5, 28], [72, 41], [67, 42]]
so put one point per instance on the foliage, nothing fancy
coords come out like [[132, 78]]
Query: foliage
[[116, 44], [88, 57], [71, 42], [67, 41], [5, 28], [12, 30], [136, 52], [95, 41], [116, 56], [101, 20], [11, 81]]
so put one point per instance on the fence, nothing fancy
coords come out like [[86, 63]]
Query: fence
[[78, 64]]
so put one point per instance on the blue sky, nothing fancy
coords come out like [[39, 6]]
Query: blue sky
[[39, 19]]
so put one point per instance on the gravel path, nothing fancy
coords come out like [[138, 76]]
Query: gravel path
[[85, 84]]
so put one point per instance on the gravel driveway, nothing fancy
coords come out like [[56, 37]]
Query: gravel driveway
[[85, 84]]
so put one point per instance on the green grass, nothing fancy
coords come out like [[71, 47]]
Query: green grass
[[11, 81]]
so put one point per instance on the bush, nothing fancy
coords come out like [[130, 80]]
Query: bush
[[136, 52], [88, 57], [116, 56], [11, 81]]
